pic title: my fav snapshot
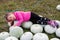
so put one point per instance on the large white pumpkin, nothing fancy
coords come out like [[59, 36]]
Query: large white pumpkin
[[27, 24], [55, 39], [27, 36], [16, 31], [58, 32], [58, 7], [40, 36], [11, 38], [49, 29], [36, 28], [4, 35]]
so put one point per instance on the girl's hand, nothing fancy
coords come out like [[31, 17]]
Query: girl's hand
[[9, 23]]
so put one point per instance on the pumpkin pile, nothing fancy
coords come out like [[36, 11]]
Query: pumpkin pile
[[35, 33]]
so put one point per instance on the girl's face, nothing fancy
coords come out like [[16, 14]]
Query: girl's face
[[11, 17]]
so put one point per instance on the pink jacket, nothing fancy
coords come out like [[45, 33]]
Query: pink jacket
[[22, 16]]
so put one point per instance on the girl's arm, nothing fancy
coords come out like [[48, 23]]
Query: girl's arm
[[19, 22]]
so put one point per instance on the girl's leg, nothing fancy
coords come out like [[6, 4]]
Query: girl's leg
[[38, 20], [42, 20]]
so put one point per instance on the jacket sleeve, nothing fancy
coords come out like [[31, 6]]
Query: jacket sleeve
[[20, 19]]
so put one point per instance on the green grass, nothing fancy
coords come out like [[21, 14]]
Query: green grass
[[46, 8]]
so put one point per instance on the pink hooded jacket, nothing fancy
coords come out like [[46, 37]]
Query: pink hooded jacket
[[22, 16]]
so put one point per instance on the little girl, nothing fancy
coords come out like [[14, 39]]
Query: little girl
[[22, 16]]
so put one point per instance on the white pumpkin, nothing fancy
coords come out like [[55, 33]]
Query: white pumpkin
[[11, 38], [15, 22], [16, 31], [36, 28], [58, 7], [40, 36], [4, 35], [55, 39], [27, 36], [27, 24], [49, 29], [58, 32]]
